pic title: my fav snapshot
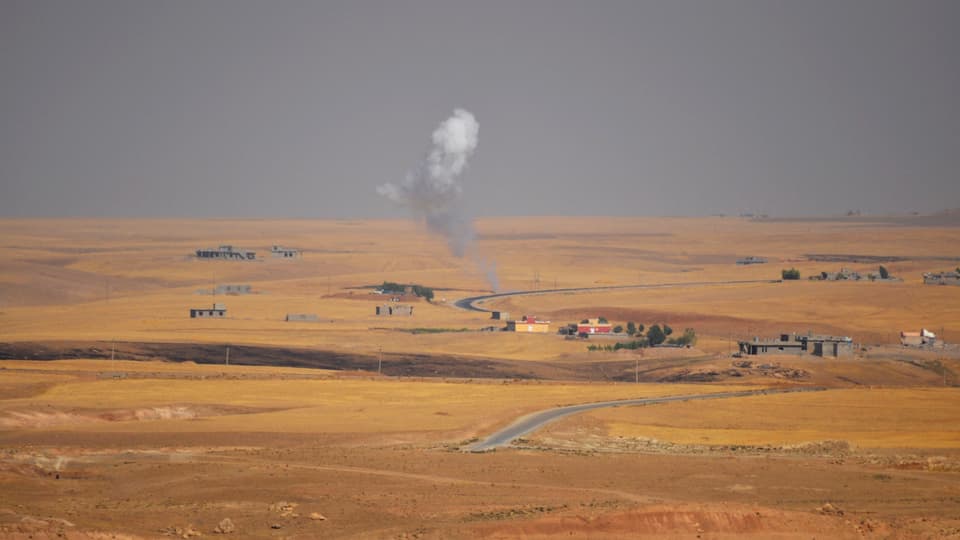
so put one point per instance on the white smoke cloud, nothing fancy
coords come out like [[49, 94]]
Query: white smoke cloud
[[432, 191]]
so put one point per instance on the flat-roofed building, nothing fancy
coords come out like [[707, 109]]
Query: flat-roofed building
[[529, 324], [218, 311]]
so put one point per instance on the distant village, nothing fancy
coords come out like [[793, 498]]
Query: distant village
[[658, 335]]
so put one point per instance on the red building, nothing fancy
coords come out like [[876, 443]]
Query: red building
[[594, 326]]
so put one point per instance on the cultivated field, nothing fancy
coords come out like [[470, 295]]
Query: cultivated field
[[120, 415]]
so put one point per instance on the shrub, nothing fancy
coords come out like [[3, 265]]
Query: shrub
[[792, 273], [617, 329], [689, 337]]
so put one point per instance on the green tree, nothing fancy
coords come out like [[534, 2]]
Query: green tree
[[884, 274], [391, 287], [618, 329], [655, 335], [423, 292], [640, 328], [602, 320], [667, 330], [689, 337], [792, 273], [631, 328]]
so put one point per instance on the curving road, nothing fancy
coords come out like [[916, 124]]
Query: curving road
[[467, 303], [532, 422]]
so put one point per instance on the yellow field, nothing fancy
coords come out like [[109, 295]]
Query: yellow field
[[134, 280], [289, 404], [869, 418]]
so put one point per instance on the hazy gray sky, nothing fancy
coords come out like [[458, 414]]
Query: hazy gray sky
[[301, 109]]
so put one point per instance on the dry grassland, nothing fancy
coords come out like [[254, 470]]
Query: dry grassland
[[94, 448], [865, 418], [285, 404], [134, 280]]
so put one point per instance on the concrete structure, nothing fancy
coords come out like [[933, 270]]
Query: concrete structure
[[751, 260], [302, 317], [397, 309], [941, 278], [529, 324], [218, 311], [499, 315], [923, 338], [281, 252], [831, 346], [227, 253], [233, 289], [594, 326]]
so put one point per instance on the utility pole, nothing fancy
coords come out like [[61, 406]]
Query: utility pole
[[636, 369], [227, 361], [380, 361]]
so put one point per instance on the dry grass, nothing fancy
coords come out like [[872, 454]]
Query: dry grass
[[302, 405], [134, 280], [871, 418]]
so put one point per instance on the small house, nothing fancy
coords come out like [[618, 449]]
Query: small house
[[280, 252], [387, 310], [942, 278], [529, 324], [594, 326], [218, 311], [499, 315], [233, 289], [302, 317]]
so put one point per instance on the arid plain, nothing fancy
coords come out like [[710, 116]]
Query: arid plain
[[120, 417]]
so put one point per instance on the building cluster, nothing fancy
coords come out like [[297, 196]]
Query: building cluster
[[233, 253], [923, 338], [824, 346], [845, 274], [942, 278], [227, 253]]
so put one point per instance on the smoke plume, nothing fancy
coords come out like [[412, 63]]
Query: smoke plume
[[433, 193]]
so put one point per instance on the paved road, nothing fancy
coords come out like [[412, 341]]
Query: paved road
[[532, 422], [467, 303]]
